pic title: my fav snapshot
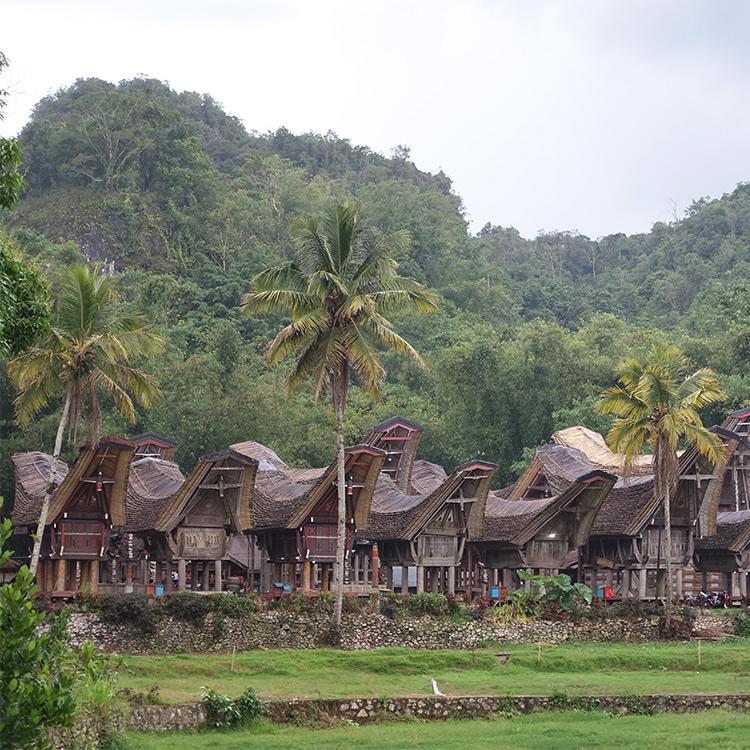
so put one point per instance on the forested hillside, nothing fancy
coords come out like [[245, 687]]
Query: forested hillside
[[187, 206]]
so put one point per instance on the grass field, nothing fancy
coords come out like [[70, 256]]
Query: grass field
[[555, 731], [575, 668]]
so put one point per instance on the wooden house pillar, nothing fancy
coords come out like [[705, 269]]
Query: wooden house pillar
[[181, 574], [679, 585], [420, 579], [205, 576], [375, 566], [451, 579], [742, 575], [661, 578], [625, 588], [314, 579], [642, 578], [389, 577], [60, 566], [508, 580], [356, 568], [218, 583], [41, 571], [93, 577], [306, 572]]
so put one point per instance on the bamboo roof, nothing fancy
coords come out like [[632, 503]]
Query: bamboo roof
[[32, 474], [111, 457]]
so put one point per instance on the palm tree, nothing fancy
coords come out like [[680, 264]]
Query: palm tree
[[90, 350], [338, 292], [656, 405]]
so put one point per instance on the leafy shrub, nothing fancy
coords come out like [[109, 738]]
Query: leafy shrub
[[426, 604], [742, 624], [233, 605], [223, 712], [136, 610], [558, 588], [186, 606]]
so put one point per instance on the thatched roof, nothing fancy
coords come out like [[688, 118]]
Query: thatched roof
[[396, 515], [151, 484], [595, 449], [732, 533], [518, 521], [32, 474], [284, 497]]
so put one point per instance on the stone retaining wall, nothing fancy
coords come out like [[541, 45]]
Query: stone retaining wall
[[363, 710], [280, 629]]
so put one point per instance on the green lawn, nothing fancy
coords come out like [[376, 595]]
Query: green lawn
[[575, 668], [555, 731]]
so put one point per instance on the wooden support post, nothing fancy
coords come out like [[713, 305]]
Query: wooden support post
[[375, 567], [678, 582], [60, 566], [206, 576], [315, 570], [743, 583], [434, 580], [420, 579], [181, 574], [218, 583], [389, 577], [451, 579], [169, 585], [625, 588], [93, 576], [642, 580], [356, 568], [508, 580], [306, 571]]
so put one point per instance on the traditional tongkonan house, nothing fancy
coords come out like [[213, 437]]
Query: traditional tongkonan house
[[295, 514], [720, 557], [84, 512], [429, 529], [421, 517], [540, 523], [193, 534], [151, 445], [626, 548]]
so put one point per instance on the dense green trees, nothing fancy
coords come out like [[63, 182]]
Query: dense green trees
[[528, 332]]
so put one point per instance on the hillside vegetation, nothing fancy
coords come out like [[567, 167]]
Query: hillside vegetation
[[187, 205]]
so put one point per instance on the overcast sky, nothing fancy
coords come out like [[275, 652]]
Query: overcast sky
[[600, 116]]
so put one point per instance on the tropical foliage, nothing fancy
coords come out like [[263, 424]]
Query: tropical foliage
[[656, 407], [338, 291], [527, 335]]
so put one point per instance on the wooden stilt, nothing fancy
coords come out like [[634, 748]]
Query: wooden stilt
[[218, 582]]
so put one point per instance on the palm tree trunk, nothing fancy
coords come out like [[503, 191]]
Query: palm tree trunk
[[668, 545], [96, 416], [49, 488], [338, 572]]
